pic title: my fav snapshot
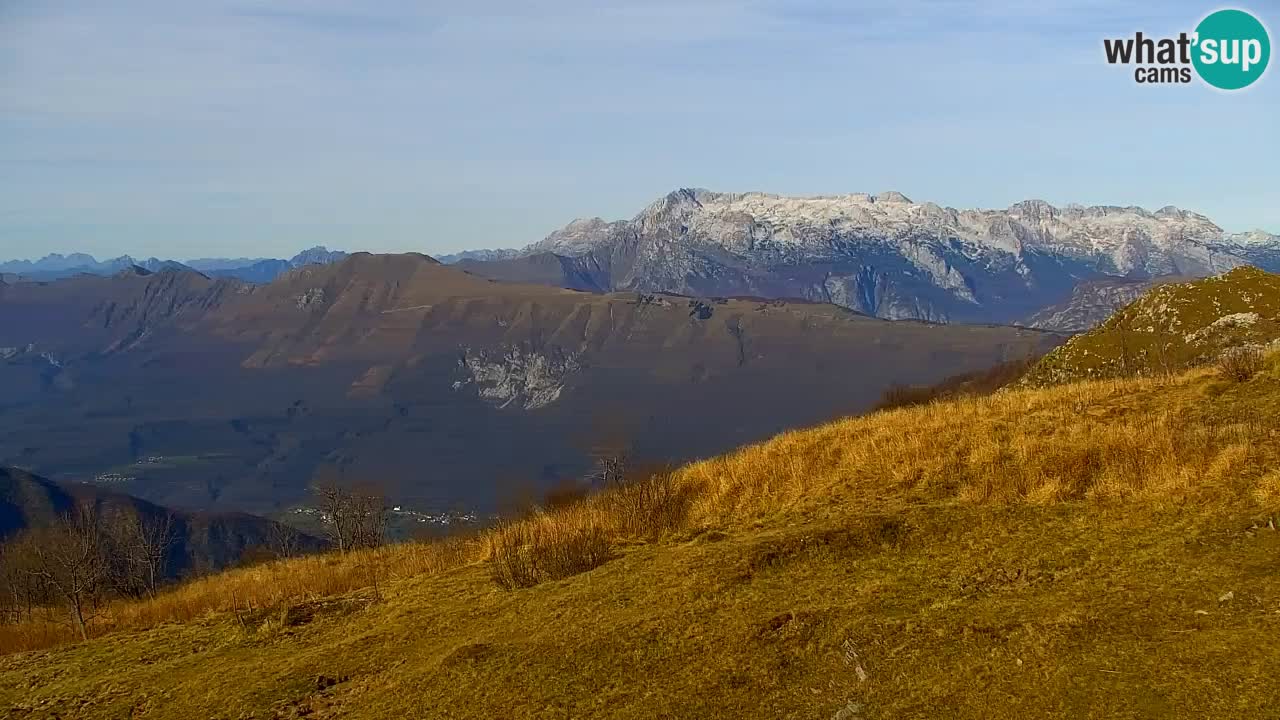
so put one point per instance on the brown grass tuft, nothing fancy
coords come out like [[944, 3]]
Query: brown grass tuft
[[526, 553], [648, 504]]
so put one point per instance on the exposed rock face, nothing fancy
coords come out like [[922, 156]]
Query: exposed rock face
[[884, 254], [313, 296], [519, 377]]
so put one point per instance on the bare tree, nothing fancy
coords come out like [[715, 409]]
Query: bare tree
[[610, 469], [283, 541], [370, 513], [335, 508], [23, 590], [354, 517], [68, 558], [141, 546]]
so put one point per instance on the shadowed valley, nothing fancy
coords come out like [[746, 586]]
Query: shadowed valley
[[446, 389]]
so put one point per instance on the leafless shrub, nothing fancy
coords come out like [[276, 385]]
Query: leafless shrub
[[647, 503], [510, 565], [1164, 363], [1239, 364]]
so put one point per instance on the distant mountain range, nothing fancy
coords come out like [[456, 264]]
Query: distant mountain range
[[448, 390], [481, 255], [254, 270], [882, 255]]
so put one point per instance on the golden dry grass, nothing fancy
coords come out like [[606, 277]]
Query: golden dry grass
[[1094, 550], [1157, 440], [268, 586], [1191, 438]]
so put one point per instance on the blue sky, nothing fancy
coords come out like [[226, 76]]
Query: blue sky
[[258, 127]]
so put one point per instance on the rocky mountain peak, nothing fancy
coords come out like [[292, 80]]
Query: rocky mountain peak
[[677, 203], [133, 271], [318, 255], [892, 196], [58, 261], [1034, 210], [585, 224]]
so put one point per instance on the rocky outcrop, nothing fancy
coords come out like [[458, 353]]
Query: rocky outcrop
[[517, 376]]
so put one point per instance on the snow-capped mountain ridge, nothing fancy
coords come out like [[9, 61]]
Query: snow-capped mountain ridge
[[888, 255], [1253, 238], [810, 222]]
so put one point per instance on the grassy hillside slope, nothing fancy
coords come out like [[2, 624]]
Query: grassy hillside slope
[[1172, 327], [1100, 549]]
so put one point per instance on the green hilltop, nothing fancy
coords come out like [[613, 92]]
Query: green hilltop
[[1170, 328]]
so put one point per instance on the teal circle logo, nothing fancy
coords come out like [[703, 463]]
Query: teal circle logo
[[1231, 49]]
